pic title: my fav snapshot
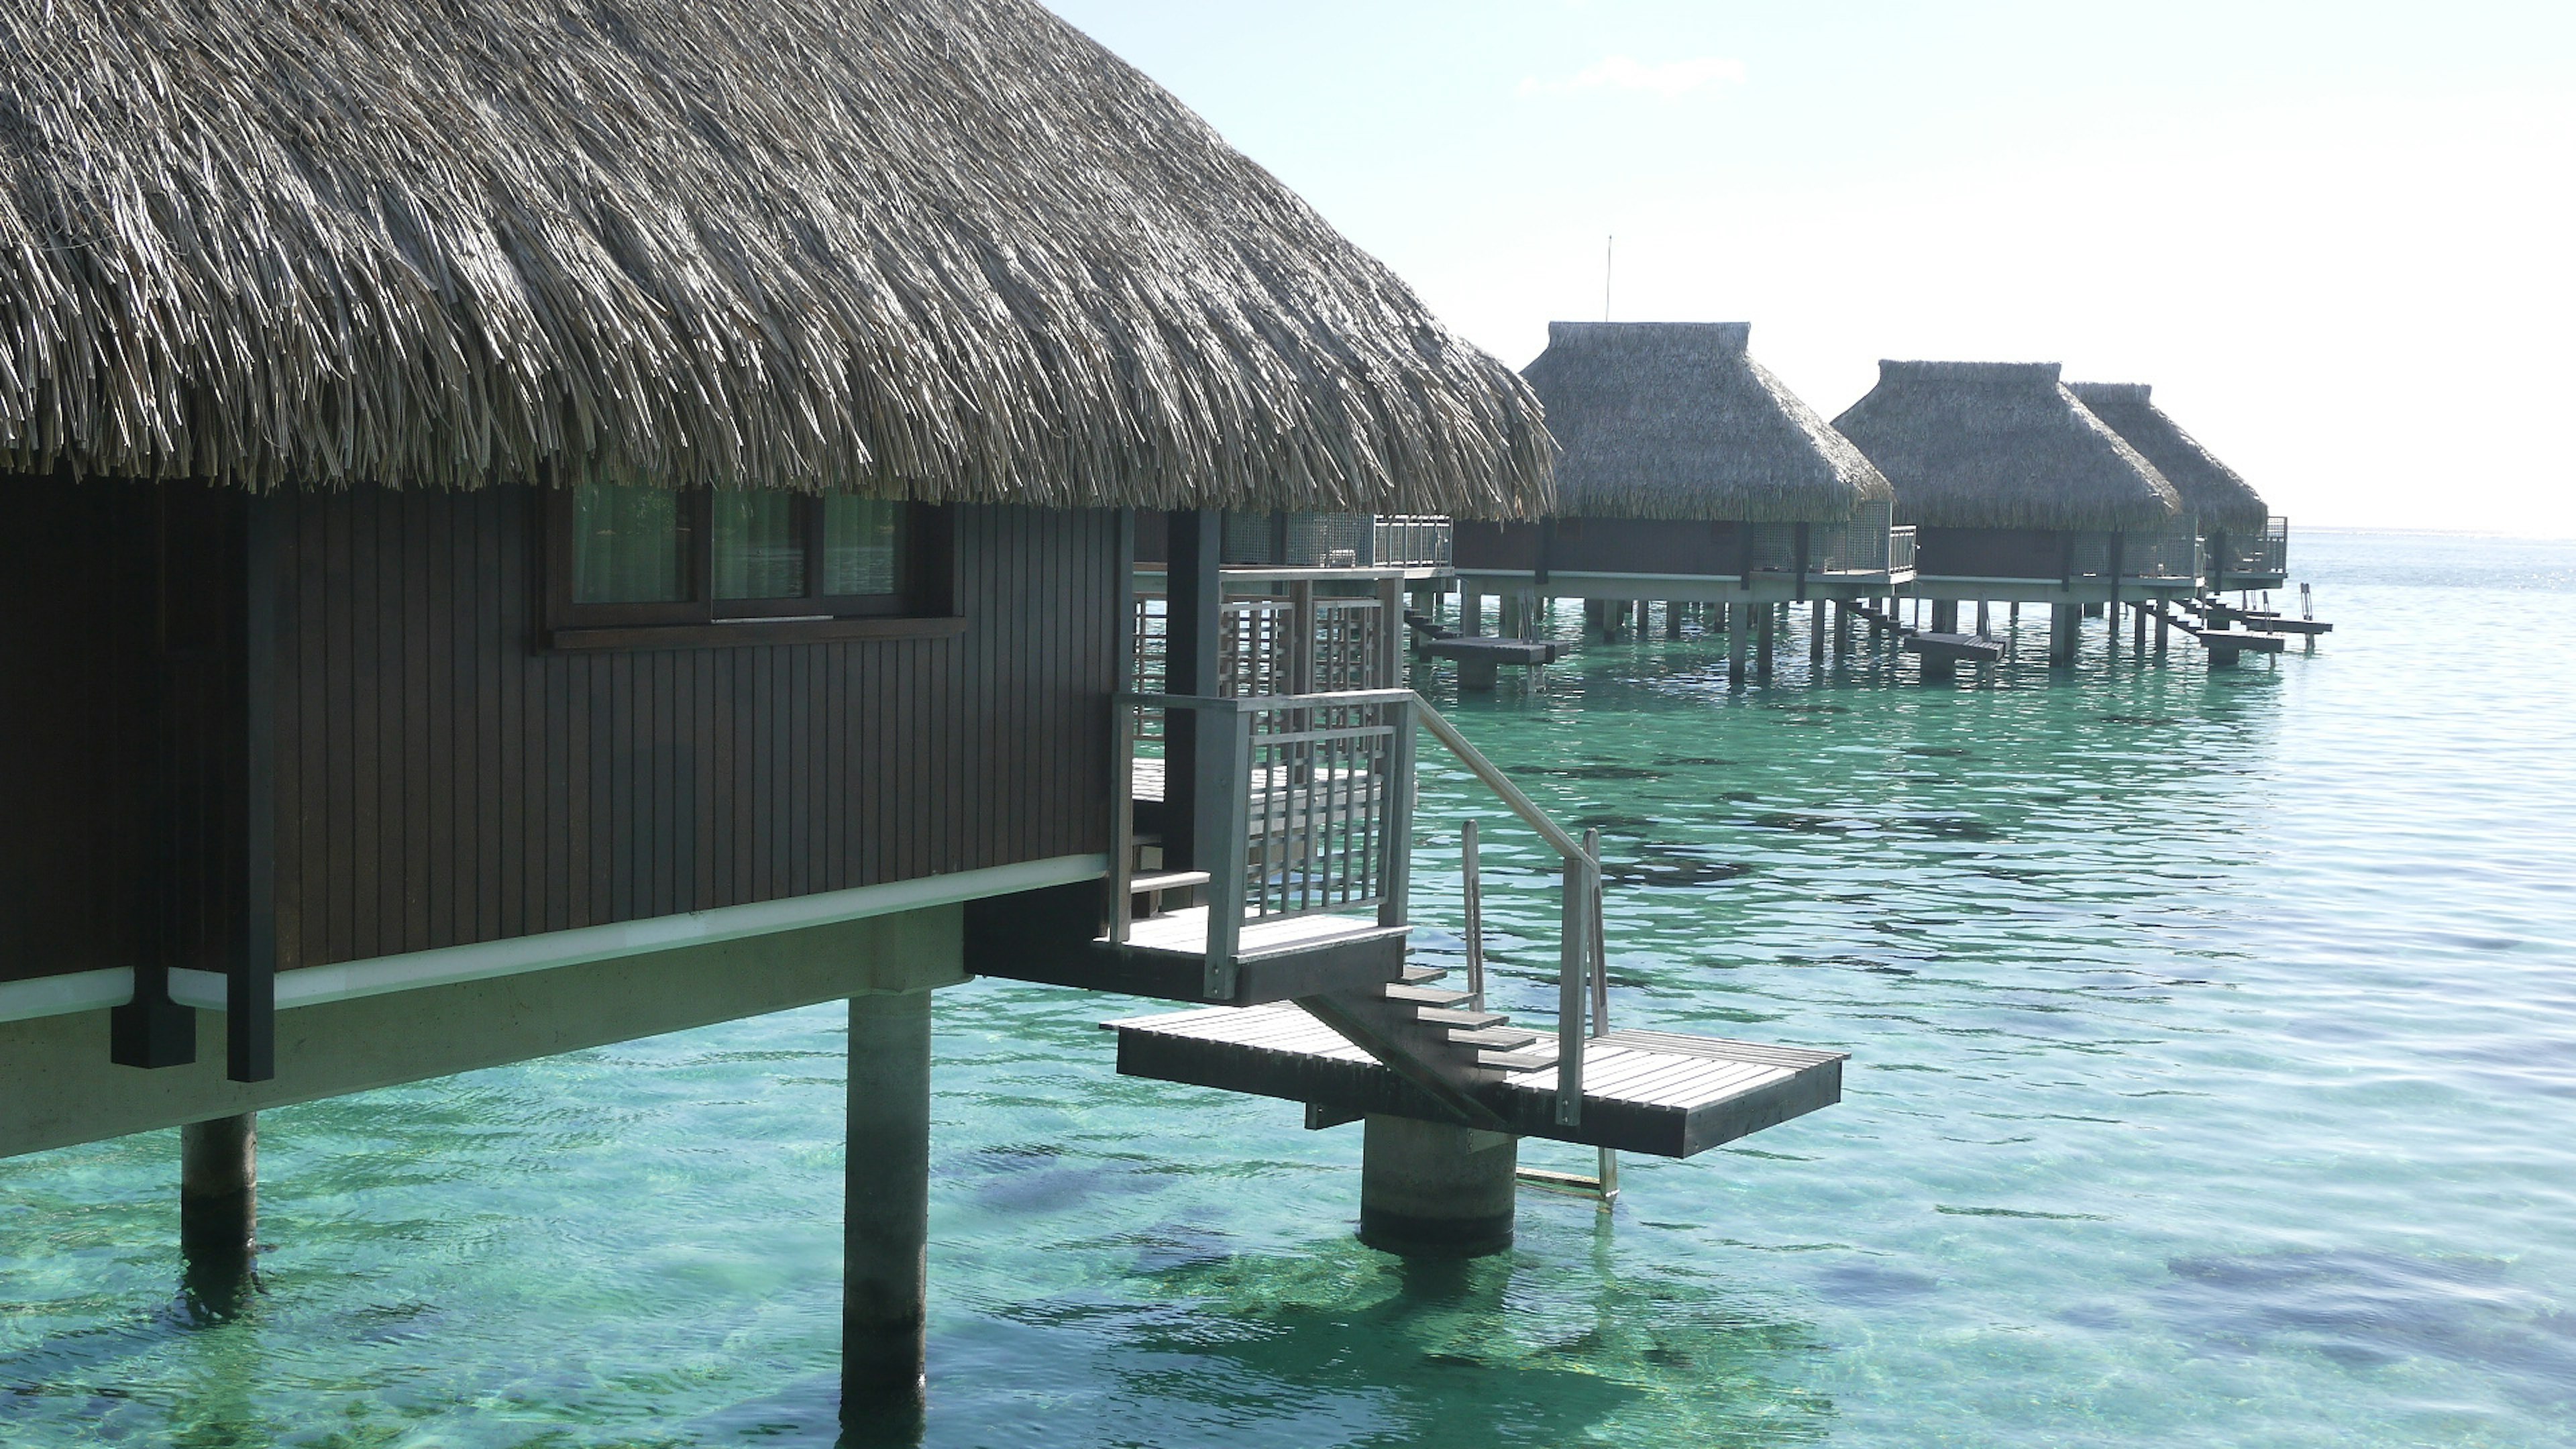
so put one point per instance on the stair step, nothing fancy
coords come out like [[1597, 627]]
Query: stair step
[[1515, 1061], [1166, 880], [1501, 1039], [1416, 975], [1460, 1017], [1425, 995]]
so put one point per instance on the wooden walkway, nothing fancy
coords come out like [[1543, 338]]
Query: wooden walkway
[[1644, 1091]]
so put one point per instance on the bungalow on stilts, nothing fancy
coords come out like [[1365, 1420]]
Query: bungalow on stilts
[[1691, 475], [2021, 496], [526, 534], [2244, 546]]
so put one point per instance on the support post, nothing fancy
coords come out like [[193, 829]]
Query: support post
[[1768, 622], [885, 1224], [1735, 642], [2064, 619], [1433, 1190], [1816, 631], [219, 1211], [1194, 611], [1981, 618], [1471, 612]]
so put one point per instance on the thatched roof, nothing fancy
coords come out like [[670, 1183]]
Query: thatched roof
[[950, 248], [2001, 445], [1675, 420], [2209, 488]]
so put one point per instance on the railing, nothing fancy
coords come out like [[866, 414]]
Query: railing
[[1410, 540], [1314, 792], [1582, 987], [2173, 555], [1900, 549], [1317, 790], [1336, 540], [2271, 553]]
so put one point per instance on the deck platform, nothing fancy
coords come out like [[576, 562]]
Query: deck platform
[[1479, 657], [1659, 1093], [1968, 648], [1165, 957]]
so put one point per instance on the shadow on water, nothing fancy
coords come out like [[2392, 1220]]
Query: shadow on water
[[1516, 1349], [2363, 1311]]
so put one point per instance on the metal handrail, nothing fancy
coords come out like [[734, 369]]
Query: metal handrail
[[1578, 954]]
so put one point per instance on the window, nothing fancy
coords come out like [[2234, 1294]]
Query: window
[[634, 566]]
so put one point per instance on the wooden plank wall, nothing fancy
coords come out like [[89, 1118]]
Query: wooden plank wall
[[120, 726], [1990, 553], [442, 782]]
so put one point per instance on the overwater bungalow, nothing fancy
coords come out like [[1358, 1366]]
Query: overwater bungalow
[[2244, 545], [2019, 494], [1689, 474], [529, 533]]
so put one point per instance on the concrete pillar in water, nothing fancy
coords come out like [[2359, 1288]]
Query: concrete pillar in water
[[1842, 628], [1981, 618], [1735, 632], [1431, 1190], [1816, 632], [1672, 618], [2161, 627], [885, 1224], [1945, 620], [1515, 620], [1762, 646], [2063, 623], [1471, 612], [219, 1210], [2138, 632]]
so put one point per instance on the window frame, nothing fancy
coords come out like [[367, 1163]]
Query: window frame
[[924, 608]]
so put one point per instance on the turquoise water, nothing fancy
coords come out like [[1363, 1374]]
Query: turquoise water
[[2213, 1082]]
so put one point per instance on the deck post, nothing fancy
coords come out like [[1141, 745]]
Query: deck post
[[1981, 619], [2138, 633], [2064, 619], [1842, 628], [2161, 629], [1816, 631], [219, 1210], [1194, 618], [885, 1217], [1433, 1190], [1939, 669], [1767, 624], [1735, 632], [1672, 619], [1471, 612]]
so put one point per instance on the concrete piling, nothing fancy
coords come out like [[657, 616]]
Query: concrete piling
[[885, 1227], [1428, 1189], [219, 1211]]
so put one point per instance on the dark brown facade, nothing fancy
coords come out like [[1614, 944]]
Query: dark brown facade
[[1604, 545], [439, 778]]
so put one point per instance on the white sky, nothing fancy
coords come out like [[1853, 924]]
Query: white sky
[[2337, 238]]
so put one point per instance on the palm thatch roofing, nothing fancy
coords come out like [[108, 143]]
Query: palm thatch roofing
[[946, 249], [1676, 420], [2208, 488], [2002, 445]]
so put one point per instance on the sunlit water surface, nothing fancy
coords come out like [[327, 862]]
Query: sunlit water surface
[[2214, 1052]]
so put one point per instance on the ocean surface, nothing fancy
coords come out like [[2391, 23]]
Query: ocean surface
[[2213, 1082]]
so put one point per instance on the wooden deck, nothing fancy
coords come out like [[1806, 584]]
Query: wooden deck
[[1970, 648], [1644, 1091]]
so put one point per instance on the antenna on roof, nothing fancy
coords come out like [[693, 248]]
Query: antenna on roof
[[1609, 255]]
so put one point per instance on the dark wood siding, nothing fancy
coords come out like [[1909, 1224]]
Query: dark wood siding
[[1990, 553], [1510, 546], [1645, 546], [121, 803], [441, 782]]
